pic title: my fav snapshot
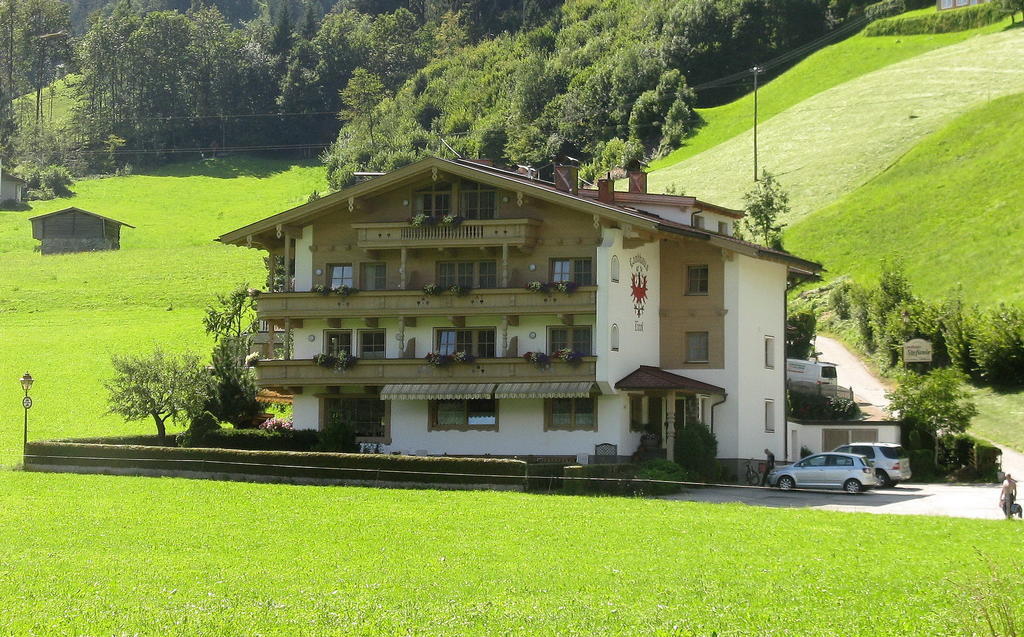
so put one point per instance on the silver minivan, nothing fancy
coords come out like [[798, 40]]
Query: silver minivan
[[891, 462], [847, 471]]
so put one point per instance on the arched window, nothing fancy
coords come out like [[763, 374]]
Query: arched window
[[615, 337], [615, 269]]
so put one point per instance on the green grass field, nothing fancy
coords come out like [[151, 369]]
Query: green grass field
[[62, 316], [831, 66], [1000, 417], [148, 556], [58, 101], [833, 142], [951, 211]]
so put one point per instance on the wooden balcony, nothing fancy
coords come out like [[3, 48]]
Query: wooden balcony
[[472, 233], [383, 303], [299, 373]]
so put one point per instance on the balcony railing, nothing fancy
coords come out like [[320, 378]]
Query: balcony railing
[[297, 373], [381, 303], [470, 233]]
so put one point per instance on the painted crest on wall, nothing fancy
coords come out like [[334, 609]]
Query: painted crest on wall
[[638, 284]]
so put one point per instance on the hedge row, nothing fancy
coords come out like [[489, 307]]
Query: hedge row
[[260, 440], [146, 441], [626, 479], [332, 466], [939, 22]]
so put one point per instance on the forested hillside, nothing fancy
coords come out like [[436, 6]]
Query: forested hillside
[[607, 82]]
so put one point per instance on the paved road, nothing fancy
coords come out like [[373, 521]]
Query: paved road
[[962, 501], [852, 372]]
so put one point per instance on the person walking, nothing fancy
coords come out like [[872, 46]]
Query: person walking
[[769, 464], [1008, 495]]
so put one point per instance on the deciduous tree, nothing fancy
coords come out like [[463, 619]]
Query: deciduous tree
[[766, 202], [158, 385]]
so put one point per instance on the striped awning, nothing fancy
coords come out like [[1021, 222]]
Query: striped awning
[[439, 391], [544, 390]]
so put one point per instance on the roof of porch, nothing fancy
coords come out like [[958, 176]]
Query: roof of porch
[[648, 377]]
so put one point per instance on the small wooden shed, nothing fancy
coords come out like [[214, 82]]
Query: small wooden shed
[[76, 230]]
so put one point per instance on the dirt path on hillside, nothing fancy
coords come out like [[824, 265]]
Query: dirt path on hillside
[[869, 389]]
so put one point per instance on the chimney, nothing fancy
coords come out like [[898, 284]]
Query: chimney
[[606, 191], [567, 178], [638, 182]]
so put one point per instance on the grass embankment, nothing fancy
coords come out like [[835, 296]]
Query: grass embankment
[[1000, 417], [62, 316], [180, 557], [950, 208], [834, 141], [826, 68], [58, 101]]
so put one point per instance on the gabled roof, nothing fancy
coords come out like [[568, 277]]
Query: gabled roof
[[9, 177], [530, 187], [648, 377], [85, 212]]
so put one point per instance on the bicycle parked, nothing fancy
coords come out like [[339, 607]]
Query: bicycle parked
[[755, 469]]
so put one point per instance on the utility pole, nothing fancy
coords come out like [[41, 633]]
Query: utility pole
[[757, 70]]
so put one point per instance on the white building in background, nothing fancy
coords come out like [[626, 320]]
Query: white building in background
[[559, 322]]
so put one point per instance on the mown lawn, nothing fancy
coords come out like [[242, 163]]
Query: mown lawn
[[62, 316], [1000, 417], [833, 142], [107, 555], [948, 208], [826, 68]]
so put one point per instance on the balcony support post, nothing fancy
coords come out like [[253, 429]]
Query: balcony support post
[[670, 426], [504, 265], [289, 281], [403, 278], [287, 339]]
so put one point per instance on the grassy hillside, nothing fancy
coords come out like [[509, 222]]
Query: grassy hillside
[[951, 208], [835, 141], [58, 99], [147, 556], [829, 67], [61, 316]]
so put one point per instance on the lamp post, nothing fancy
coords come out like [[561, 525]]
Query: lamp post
[[26, 402]]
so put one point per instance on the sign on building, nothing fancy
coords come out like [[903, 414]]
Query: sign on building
[[917, 350]]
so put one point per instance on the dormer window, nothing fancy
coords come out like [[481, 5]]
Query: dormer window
[[477, 201], [435, 201], [698, 221]]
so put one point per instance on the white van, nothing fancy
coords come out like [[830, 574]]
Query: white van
[[818, 373]]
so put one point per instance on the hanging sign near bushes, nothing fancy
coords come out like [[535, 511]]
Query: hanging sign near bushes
[[917, 350]]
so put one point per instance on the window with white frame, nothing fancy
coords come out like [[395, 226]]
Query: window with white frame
[[578, 271], [337, 341], [339, 274], [577, 339], [769, 352], [769, 416]]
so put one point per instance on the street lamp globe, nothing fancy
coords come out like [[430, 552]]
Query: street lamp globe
[[26, 381]]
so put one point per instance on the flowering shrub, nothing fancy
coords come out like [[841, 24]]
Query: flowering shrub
[[277, 424], [565, 287], [458, 290], [540, 359], [252, 360], [569, 356], [422, 220], [451, 220], [322, 290], [432, 289], [438, 360], [463, 357], [345, 290], [344, 360], [537, 286]]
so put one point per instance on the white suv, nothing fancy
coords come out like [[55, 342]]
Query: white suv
[[891, 462]]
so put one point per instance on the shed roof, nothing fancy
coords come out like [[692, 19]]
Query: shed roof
[[9, 177], [648, 377], [74, 209]]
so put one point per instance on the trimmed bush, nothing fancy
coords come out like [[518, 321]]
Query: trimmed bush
[[284, 464], [661, 470], [545, 477], [144, 441], [624, 472], [696, 451], [939, 22], [922, 464]]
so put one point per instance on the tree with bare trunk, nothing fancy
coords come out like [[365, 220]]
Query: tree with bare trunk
[[159, 385]]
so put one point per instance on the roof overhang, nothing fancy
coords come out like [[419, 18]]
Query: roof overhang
[[648, 378]]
